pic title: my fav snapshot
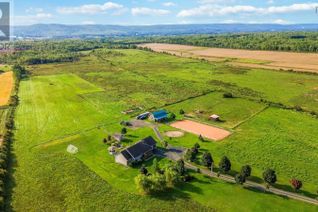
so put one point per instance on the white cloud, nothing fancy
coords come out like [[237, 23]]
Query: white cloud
[[215, 1], [215, 10], [148, 11], [90, 8], [32, 19], [281, 21], [169, 4], [34, 10]]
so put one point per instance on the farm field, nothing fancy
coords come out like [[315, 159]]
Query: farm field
[[6, 87], [232, 111], [81, 103], [259, 59], [265, 142]]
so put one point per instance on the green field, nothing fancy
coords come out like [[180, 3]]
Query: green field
[[80, 103], [233, 111], [3, 118]]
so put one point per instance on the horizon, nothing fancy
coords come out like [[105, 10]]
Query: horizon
[[161, 12]]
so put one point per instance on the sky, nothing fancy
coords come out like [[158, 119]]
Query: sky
[[152, 12]]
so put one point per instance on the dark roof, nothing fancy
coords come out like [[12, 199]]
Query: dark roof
[[160, 114], [126, 154], [149, 141], [139, 148]]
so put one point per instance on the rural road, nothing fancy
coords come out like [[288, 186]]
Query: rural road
[[255, 185], [176, 153]]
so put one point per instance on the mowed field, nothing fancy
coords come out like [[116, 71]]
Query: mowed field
[[6, 86], [80, 103], [257, 59]]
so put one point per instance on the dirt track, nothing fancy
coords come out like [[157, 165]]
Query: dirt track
[[307, 62], [6, 85], [206, 131]]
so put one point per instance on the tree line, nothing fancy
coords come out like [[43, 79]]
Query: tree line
[[273, 41], [8, 138]]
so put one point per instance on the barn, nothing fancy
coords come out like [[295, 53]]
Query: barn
[[159, 115]]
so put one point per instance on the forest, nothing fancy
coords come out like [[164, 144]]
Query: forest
[[273, 41]]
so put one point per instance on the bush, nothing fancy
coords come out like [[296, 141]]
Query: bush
[[297, 184], [228, 95]]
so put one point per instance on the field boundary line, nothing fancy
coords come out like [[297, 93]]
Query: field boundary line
[[251, 117], [70, 134]]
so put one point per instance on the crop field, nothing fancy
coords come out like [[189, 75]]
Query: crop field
[[6, 87], [261, 59], [81, 103]]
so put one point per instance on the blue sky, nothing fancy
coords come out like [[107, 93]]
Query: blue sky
[[146, 12]]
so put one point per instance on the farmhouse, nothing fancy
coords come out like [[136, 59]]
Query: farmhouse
[[142, 150], [159, 115]]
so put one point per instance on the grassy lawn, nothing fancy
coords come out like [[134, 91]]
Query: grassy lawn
[[276, 138], [82, 103], [232, 111]]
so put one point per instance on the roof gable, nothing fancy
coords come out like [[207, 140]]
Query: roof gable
[[149, 141], [139, 148]]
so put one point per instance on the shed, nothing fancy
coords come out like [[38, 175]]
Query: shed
[[72, 149], [159, 115], [215, 117]]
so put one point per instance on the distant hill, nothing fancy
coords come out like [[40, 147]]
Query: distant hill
[[86, 31]]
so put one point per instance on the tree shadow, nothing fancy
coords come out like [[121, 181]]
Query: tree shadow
[[10, 182], [290, 189]]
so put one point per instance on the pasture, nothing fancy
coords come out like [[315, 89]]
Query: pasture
[[262, 59], [80, 103]]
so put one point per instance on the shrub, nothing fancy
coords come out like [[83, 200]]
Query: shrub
[[297, 184], [240, 179], [228, 95]]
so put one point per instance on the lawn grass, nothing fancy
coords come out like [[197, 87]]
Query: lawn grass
[[232, 111], [82, 103], [279, 139]]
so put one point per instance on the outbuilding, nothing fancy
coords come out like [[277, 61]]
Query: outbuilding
[[159, 115], [215, 117]]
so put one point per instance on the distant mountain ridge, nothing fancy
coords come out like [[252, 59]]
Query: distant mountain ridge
[[82, 31]]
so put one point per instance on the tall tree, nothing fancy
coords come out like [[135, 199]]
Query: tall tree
[[269, 177], [225, 165], [207, 159], [246, 171]]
